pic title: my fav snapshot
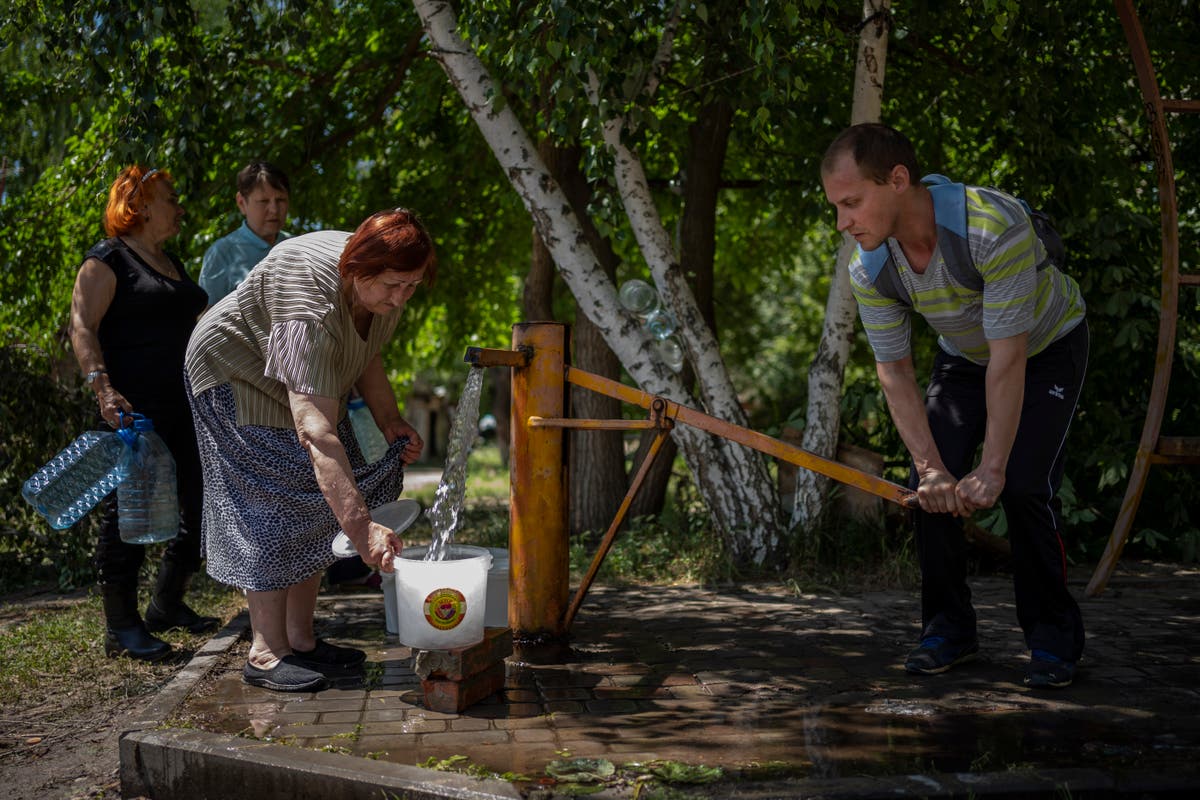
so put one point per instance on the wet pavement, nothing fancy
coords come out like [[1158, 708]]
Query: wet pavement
[[792, 695]]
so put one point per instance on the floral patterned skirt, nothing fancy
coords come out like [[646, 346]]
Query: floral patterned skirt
[[266, 524]]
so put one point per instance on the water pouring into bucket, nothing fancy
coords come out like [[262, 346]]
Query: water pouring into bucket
[[442, 589], [447, 505]]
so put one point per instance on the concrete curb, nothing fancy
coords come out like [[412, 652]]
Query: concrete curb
[[194, 765], [185, 764], [169, 700]]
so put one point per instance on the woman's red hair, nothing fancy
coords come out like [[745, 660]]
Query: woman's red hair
[[389, 240], [133, 190]]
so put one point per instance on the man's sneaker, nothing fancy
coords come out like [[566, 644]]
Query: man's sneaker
[[1048, 671], [937, 654]]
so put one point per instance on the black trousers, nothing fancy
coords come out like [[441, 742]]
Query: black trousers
[[956, 405], [118, 562]]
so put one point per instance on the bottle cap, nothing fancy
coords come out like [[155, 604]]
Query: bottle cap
[[139, 423]]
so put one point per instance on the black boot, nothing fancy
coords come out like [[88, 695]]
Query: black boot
[[167, 610], [125, 633]]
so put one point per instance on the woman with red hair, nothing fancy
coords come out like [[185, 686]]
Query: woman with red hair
[[269, 369], [132, 311]]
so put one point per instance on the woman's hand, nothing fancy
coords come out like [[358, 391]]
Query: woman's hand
[[398, 428], [112, 403], [382, 546], [376, 390]]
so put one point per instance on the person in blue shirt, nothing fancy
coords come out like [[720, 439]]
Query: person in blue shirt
[[263, 193]]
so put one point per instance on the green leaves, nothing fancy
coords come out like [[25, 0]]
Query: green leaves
[[581, 770], [676, 772], [579, 776], [1035, 98]]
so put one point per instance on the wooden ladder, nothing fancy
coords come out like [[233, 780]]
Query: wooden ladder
[[1154, 448]]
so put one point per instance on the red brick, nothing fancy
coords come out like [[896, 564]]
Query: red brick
[[463, 662], [452, 697]]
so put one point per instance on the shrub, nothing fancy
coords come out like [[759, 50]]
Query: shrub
[[40, 413]]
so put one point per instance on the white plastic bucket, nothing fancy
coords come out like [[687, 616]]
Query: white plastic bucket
[[497, 589], [388, 584], [441, 605]]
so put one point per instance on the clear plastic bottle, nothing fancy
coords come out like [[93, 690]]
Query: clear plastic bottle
[[148, 498], [661, 324], [77, 478], [670, 351], [638, 297], [370, 438]]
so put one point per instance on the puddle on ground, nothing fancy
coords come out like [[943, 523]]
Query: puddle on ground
[[759, 733]]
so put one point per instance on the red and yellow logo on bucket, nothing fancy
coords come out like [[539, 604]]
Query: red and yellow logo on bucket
[[445, 608]]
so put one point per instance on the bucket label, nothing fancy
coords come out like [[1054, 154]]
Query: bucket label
[[445, 608]]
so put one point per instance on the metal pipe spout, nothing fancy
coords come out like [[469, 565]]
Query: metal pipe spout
[[492, 357]]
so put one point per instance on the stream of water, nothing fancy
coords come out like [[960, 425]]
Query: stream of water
[[448, 503]]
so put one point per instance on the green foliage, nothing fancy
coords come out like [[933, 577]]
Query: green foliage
[[39, 415], [461, 763], [1038, 99], [584, 776]]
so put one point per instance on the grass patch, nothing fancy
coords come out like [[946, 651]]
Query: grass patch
[[487, 480], [55, 657]]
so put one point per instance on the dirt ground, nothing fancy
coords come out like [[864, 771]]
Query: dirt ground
[[73, 756], [62, 749]]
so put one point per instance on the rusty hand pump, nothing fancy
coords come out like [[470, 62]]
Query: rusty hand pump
[[539, 566]]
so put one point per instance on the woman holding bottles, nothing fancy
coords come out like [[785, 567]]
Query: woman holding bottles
[[132, 310], [269, 369]]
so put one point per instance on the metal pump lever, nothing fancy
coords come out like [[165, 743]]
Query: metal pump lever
[[836, 470]]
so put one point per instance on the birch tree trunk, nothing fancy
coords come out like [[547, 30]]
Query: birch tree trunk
[[827, 371], [732, 479]]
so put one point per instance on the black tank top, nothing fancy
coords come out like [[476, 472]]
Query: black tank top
[[145, 331]]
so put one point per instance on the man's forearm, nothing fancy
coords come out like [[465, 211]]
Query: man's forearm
[[1005, 394], [907, 407]]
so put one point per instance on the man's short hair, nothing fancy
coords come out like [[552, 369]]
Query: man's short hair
[[257, 173], [876, 149]]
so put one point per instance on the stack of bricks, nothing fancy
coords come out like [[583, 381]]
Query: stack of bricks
[[455, 679]]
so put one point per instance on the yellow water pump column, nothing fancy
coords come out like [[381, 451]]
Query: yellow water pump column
[[538, 578]]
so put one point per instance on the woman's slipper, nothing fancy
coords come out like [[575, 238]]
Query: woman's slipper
[[289, 675], [330, 655]]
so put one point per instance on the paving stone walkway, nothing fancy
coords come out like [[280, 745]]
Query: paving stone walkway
[[779, 689]]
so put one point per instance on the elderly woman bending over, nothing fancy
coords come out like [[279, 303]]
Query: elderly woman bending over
[[268, 369]]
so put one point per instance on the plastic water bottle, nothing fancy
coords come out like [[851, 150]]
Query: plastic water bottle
[[78, 478], [148, 499], [660, 323], [370, 438], [670, 352], [638, 297]]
